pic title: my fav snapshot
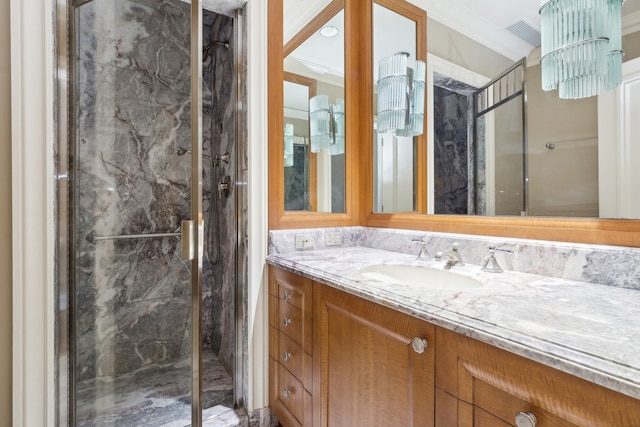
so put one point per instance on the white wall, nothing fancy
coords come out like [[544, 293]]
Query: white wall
[[5, 215], [459, 49], [258, 201]]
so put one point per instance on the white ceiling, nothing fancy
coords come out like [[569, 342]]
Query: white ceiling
[[223, 7], [483, 21]]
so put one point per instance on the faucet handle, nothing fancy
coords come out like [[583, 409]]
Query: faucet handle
[[495, 249], [424, 252], [491, 263]]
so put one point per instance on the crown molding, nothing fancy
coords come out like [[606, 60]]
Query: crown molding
[[631, 23]]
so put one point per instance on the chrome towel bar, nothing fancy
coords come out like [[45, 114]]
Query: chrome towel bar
[[93, 237], [186, 233]]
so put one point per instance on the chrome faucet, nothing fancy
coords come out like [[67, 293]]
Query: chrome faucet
[[452, 256], [490, 263], [424, 252]]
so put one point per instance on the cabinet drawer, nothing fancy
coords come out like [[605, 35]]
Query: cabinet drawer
[[504, 406], [278, 409], [293, 396], [295, 324], [296, 360], [502, 384], [291, 288]]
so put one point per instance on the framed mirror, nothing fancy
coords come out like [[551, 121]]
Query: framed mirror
[[316, 54], [452, 44], [312, 183], [563, 169], [399, 127]]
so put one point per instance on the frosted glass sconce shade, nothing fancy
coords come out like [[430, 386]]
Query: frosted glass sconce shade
[[326, 124], [337, 145], [401, 95], [581, 46], [288, 145]]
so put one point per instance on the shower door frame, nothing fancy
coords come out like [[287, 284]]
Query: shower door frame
[[502, 99], [64, 343]]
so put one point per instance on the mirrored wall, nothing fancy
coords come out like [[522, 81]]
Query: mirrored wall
[[399, 92], [314, 110]]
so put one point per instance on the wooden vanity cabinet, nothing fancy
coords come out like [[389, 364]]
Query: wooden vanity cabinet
[[290, 347], [369, 373], [482, 386], [340, 360]]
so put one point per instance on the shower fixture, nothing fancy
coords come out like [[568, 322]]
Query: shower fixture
[[222, 157], [211, 44], [214, 159], [182, 151]]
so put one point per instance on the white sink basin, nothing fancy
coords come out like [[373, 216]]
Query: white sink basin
[[430, 278]]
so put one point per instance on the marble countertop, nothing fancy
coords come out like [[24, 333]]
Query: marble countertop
[[587, 330]]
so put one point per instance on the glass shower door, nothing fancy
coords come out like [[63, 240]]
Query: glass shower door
[[136, 263], [500, 144]]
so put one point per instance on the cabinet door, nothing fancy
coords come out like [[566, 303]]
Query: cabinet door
[[370, 374], [492, 386]]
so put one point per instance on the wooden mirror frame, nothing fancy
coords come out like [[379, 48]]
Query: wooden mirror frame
[[359, 158], [354, 57]]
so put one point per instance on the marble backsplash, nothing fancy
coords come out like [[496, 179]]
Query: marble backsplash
[[604, 265]]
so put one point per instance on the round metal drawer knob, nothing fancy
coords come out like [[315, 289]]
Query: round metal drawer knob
[[287, 296], [419, 345], [526, 419], [286, 321], [286, 392], [286, 356]]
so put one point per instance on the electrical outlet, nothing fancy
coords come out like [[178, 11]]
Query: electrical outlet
[[333, 239], [304, 241]]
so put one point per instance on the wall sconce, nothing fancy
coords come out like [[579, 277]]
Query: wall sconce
[[326, 124], [581, 46], [401, 95], [288, 145]]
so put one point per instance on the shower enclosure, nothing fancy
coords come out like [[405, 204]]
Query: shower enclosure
[[152, 214]]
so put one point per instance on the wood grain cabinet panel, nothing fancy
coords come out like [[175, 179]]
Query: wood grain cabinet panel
[[492, 386], [290, 347], [369, 374], [295, 359]]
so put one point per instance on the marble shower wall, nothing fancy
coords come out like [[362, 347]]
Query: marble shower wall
[[219, 133], [453, 146], [132, 297]]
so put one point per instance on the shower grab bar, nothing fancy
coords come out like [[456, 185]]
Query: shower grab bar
[[186, 233], [94, 237]]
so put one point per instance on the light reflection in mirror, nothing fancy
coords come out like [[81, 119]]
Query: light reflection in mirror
[[394, 156]]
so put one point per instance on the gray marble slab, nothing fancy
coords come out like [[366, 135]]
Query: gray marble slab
[[584, 329]]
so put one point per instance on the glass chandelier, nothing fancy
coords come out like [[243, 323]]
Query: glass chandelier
[[326, 126], [581, 46], [401, 95]]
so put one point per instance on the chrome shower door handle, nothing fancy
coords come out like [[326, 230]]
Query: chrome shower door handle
[[224, 187], [187, 239]]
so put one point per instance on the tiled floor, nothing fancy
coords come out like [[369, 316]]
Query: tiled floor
[[158, 396]]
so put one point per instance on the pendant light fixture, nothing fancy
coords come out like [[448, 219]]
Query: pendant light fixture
[[581, 46]]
